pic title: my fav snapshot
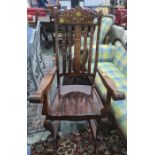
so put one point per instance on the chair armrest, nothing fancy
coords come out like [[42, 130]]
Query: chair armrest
[[110, 86], [43, 87], [36, 98]]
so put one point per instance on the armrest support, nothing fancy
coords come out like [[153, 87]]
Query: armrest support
[[110, 86], [43, 87]]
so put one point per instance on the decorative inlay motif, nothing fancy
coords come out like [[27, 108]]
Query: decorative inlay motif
[[77, 16]]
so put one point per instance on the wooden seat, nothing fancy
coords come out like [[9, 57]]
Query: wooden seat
[[76, 101]]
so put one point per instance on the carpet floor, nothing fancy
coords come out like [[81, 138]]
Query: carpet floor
[[80, 143]]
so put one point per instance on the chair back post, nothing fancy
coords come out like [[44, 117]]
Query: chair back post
[[56, 46], [97, 46], [107, 103]]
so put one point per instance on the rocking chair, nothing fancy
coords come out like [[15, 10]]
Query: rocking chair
[[73, 102]]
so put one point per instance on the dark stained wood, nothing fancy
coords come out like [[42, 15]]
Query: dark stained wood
[[57, 47], [72, 102], [46, 81], [78, 22], [49, 126], [64, 49], [93, 128], [107, 103], [77, 16], [45, 109], [85, 49], [70, 48], [77, 48], [76, 100], [97, 48], [92, 29], [43, 87], [52, 127], [73, 74]]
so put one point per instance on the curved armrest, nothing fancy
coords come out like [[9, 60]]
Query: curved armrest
[[36, 98], [43, 87], [110, 86]]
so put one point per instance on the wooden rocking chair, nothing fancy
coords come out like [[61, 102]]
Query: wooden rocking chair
[[73, 102]]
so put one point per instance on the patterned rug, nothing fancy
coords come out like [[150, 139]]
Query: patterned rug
[[80, 143]]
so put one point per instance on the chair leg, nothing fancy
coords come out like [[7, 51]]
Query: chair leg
[[49, 127], [94, 131], [52, 127]]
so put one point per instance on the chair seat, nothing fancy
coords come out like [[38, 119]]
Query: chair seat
[[76, 101]]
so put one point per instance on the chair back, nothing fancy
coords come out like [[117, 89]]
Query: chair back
[[75, 24]]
